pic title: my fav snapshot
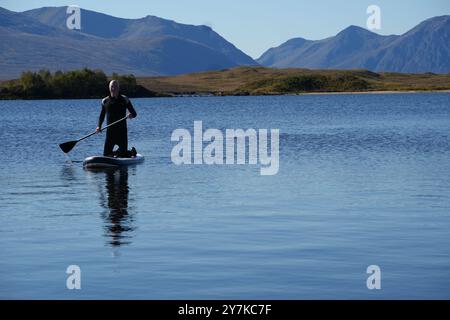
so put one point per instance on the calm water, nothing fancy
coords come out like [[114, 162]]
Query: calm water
[[363, 179]]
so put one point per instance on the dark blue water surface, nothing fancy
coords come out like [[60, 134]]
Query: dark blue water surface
[[363, 180]]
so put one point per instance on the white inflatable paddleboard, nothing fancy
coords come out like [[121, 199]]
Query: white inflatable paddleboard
[[108, 162]]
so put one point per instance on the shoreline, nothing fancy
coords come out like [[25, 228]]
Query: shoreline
[[238, 81], [378, 92], [203, 95]]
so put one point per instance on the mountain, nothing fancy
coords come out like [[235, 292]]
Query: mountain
[[425, 48], [39, 38]]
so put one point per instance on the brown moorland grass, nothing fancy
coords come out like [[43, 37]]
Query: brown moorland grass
[[260, 80]]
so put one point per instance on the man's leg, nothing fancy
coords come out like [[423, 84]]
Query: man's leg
[[123, 145], [109, 146]]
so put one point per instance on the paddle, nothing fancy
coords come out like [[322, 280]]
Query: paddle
[[67, 146]]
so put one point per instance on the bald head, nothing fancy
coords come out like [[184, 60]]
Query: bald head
[[114, 88]]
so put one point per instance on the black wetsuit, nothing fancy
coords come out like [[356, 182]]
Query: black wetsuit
[[115, 109]]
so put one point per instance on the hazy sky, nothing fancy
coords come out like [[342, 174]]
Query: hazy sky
[[256, 25]]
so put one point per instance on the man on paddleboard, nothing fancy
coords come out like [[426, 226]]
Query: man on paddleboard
[[115, 107]]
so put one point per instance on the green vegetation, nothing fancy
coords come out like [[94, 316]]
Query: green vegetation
[[268, 81], [77, 84], [305, 83], [87, 83]]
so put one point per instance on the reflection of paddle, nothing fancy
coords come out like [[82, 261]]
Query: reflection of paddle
[[67, 146]]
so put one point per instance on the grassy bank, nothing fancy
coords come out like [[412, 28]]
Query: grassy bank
[[268, 81], [87, 83]]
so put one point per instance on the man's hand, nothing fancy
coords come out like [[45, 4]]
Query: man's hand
[[98, 130], [130, 116]]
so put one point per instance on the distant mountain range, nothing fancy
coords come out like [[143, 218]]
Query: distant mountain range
[[151, 46], [39, 38], [425, 48]]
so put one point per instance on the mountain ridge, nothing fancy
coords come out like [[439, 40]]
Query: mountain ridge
[[153, 46], [424, 48], [146, 46]]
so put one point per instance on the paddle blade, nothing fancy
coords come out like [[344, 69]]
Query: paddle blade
[[67, 146]]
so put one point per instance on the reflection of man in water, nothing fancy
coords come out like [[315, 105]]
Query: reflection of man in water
[[117, 221]]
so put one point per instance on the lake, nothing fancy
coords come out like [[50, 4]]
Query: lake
[[363, 180]]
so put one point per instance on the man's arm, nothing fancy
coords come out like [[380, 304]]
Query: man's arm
[[130, 108], [101, 118]]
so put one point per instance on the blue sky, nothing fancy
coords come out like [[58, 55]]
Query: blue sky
[[256, 25]]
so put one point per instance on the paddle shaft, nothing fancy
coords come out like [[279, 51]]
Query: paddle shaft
[[109, 125]]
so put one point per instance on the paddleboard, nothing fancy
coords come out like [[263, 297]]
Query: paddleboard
[[107, 162]]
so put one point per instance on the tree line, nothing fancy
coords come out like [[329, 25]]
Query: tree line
[[77, 84]]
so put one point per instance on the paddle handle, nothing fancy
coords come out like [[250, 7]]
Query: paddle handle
[[109, 125]]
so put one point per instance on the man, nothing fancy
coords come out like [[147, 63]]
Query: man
[[115, 107]]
